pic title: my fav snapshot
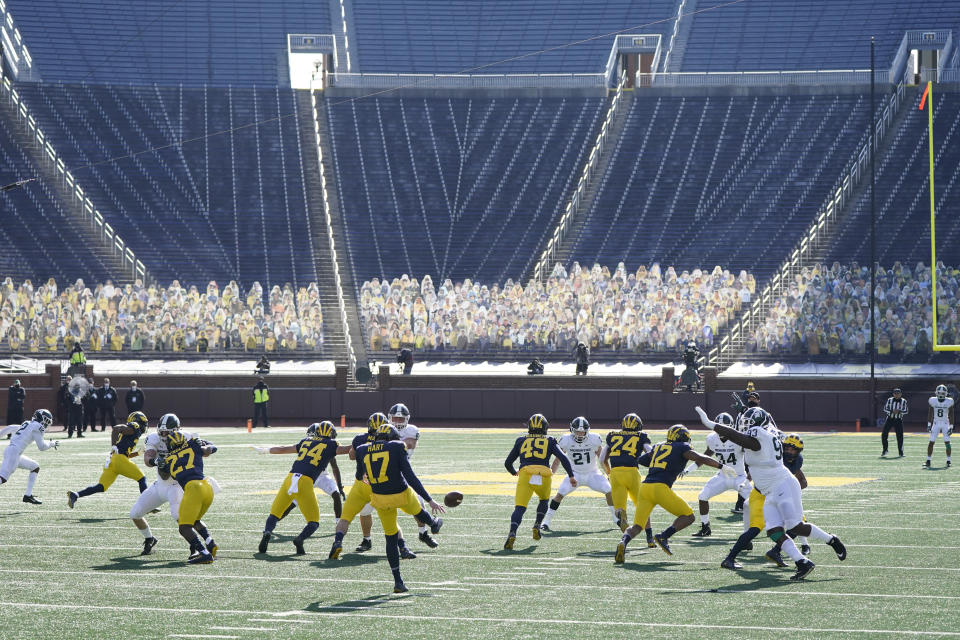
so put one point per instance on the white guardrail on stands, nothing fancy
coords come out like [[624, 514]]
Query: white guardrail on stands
[[559, 232], [333, 249], [132, 265], [759, 78], [467, 81]]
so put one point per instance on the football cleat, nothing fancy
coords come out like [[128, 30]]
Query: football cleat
[[704, 531], [804, 567], [31, 500], [926, 464], [948, 464], [730, 563], [508, 545], [212, 547], [335, 551], [545, 528], [264, 541], [662, 543], [536, 533], [622, 520], [426, 539], [148, 545], [435, 528], [748, 546], [201, 558], [775, 557], [837, 546], [883, 454], [406, 554], [805, 549], [400, 588], [737, 510], [72, 497], [365, 545], [620, 555], [298, 545]]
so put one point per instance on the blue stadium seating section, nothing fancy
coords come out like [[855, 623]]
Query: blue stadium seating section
[[903, 192], [228, 206], [734, 181], [39, 239], [432, 36], [195, 42], [762, 35], [458, 187]]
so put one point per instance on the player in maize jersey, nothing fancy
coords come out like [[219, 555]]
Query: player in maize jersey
[[725, 452], [22, 435], [358, 499], [583, 448], [666, 462], [392, 484], [782, 506], [621, 458], [939, 420], [184, 463], [315, 452], [123, 440], [399, 416], [534, 476]]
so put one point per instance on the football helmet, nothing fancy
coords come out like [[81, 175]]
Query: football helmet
[[387, 432], [323, 429], [375, 421], [941, 392], [399, 415], [793, 440], [44, 417], [678, 433], [724, 419], [754, 417], [138, 418], [169, 422], [631, 422], [174, 440], [537, 424], [579, 428]]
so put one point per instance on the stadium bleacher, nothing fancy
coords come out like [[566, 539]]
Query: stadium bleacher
[[458, 187], [423, 36], [200, 42], [736, 181], [204, 209], [763, 35]]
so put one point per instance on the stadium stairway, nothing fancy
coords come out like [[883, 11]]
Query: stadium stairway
[[336, 333], [61, 222]]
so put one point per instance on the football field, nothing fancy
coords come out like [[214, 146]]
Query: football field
[[78, 573]]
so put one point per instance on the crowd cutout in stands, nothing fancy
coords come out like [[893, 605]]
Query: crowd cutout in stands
[[649, 310], [824, 312], [142, 318]]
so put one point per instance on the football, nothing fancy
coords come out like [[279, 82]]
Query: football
[[453, 499]]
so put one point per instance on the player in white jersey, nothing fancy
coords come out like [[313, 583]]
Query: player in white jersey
[[165, 489], [399, 416], [726, 452], [939, 421], [783, 506], [22, 435], [583, 449]]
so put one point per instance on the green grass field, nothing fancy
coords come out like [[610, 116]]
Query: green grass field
[[78, 573]]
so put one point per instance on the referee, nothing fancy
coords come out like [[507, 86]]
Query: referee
[[895, 409]]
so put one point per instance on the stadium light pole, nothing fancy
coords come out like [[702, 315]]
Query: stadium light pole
[[873, 238]]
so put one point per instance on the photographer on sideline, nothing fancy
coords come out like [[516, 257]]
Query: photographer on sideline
[[582, 355]]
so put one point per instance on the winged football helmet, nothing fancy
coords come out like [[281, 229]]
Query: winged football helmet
[[793, 440], [631, 422], [375, 421], [323, 429], [537, 424], [678, 433], [139, 419]]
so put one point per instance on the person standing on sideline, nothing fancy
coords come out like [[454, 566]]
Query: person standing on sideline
[[107, 398], [582, 355], [64, 400], [405, 357], [16, 394], [895, 408], [261, 396], [91, 403], [77, 360], [134, 398]]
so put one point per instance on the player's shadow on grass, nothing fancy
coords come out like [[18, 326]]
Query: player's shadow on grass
[[501, 552], [385, 600], [572, 534], [97, 520], [349, 560], [707, 542], [137, 563], [770, 578]]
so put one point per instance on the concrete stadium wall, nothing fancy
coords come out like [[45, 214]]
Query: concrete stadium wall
[[472, 399]]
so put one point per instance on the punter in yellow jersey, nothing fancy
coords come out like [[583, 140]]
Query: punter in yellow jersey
[[620, 458], [123, 447], [534, 451]]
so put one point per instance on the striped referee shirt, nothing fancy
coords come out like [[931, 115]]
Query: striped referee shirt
[[895, 405]]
